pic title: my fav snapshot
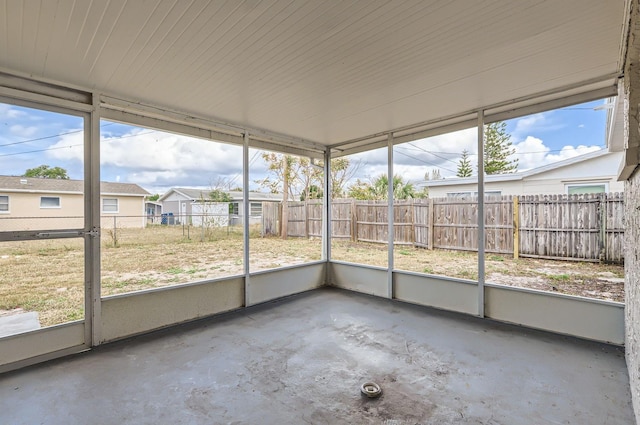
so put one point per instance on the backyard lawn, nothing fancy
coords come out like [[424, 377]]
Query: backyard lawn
[[48, 276]]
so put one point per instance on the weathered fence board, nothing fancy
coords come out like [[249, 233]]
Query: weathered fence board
[[422, 223], [314, 218], [577, 227], [342, 213], [614, 228], [561, 226], [297, 220], [270, 218]]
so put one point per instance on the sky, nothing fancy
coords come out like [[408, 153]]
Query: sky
[[158, 160]]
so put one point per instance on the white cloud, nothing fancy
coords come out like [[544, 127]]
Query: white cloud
[[532, 153], [154, 158], [570, 151], [413, 160], [536, 123], [12, 113], [528, 123], [23, 131]]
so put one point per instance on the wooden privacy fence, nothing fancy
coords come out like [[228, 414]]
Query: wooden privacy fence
[[579, 227]]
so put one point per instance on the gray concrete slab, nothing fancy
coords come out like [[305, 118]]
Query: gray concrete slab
[[17, 322], [303, 359]]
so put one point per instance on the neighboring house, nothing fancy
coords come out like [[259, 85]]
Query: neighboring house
[[40, 204], [594, 172], [185, 203], [154, 211]]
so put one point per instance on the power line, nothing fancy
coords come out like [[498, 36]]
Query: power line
[[50, 137], [432, 153], [426, 162], [72, 146], [40, 150], [253, 158]]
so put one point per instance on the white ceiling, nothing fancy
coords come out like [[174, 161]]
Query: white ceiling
[[323, 70]]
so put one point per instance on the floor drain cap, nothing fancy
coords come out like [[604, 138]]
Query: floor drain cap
[[371, 389]]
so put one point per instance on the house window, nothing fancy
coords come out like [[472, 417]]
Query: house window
[[234, 208], [458, 194], [49, 202], [256, 209], [468, 194], [579, 189], [110, 205], [4, 203]]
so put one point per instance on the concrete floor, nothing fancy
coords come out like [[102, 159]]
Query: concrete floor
[[303, 359]]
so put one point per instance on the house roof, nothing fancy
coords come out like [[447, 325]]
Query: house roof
[[317, 71], [36, 185], [196, 194], [522, 174]]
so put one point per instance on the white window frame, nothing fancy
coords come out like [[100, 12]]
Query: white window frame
[[48, 206], [567, 186], [234, 208], [460, 194], [8, 210], [117, 204], [251, 204], [464, 194]]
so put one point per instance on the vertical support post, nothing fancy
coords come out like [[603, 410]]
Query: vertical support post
[[93, 312], [516, 227], [326, 208], [481, 235], [245, 217], [390, 216], [326, 218]]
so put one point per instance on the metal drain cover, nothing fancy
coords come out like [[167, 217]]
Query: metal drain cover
[[371, 389]]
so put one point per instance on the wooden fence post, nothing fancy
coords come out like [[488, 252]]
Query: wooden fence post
[[354, 225], [516, 228], [430, 226], [306, 219], [412, 203], [603, 226]]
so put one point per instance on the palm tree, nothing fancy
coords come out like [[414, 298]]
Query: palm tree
[[401, 189]]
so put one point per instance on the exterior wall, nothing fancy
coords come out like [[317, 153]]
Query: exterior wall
[[603, 166], [552, 182], [506, 188], [130, 212], [542, 186], [632, 285], [177, 204], [171, 207], [213, 214], [237, 220], [25, 212]]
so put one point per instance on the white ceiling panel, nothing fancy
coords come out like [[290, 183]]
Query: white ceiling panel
[[324, 71]]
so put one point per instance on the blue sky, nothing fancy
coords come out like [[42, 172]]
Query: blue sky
[[157, 160]]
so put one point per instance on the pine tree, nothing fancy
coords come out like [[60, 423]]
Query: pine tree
[[497, 149], [464, 165]]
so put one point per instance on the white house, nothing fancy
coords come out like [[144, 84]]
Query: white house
[[184, 203], [593, 172]]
